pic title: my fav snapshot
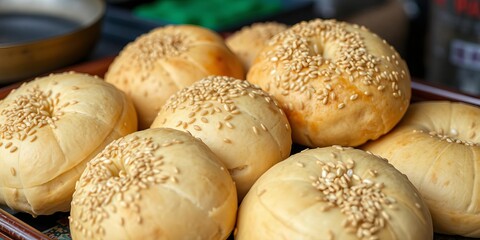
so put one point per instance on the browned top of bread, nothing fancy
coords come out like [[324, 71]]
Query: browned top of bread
[[167, 59], [338, 83]]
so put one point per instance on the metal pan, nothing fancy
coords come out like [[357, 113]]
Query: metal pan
[[37, 36]]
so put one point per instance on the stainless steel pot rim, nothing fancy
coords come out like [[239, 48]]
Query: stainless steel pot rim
[[84, 12]]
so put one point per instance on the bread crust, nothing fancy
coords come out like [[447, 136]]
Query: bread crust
[[154, 184], [240, 122], [297, 199], [437, 145], [167, 59], [338, 83], [247, 42], [51, 127]]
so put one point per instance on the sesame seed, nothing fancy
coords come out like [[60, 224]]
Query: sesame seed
[[255, 130], [13, 171], [178, 123], [229, 125], [226, 140], [174, 179], [13, 149]]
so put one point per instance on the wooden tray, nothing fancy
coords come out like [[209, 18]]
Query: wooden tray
[[23, 226]]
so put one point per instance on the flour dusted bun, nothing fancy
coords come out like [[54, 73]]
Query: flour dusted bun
[[250, 40], [154, 184], [49, 128], [338, 83], [240, 123], [437, 145], [333, 193], [167, 59]]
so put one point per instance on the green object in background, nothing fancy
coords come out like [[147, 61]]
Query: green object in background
[[213, 14]]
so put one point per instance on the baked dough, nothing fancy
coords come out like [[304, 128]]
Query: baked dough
[[333, 193], [240, 122], [250, 40], [49, 129], [437, 145], [154, 184], [167, 59], [337, 82]]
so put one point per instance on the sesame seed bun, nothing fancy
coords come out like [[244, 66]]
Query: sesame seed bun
[[167, 59], [240, 122], [154, 184], [250, 40], [437, 145], [333, 193], [49, 129], [337, 82]]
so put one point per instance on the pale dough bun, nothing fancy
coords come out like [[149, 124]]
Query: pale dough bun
[[250, 40], [333, 193], [167, 59], [154, 184], [240, 122], [49, 129], [437, 145], [338, 83]]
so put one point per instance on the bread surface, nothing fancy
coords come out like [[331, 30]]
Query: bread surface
[[240, 122], [437, 145], [49, 129], [247, 42], [167, 59], [333, 193], [154, 184], [337, 82]]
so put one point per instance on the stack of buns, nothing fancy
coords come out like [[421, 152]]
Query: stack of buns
[[167, 59], [240, 122], [216, 140]]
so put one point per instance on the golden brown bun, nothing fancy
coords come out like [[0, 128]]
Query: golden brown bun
[[333, 193], [240, 123], [49, 129], [249, 41], [437, 145], [167, 59], [154, 184], [338, 83]]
